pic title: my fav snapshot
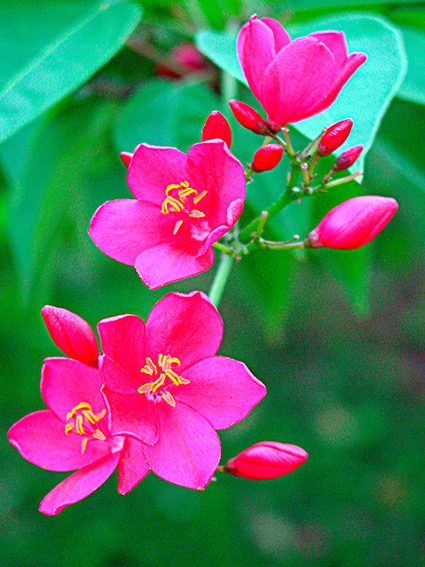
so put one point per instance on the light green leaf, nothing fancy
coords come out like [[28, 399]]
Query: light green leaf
[[48, 49], [366, 96], [413, 86]]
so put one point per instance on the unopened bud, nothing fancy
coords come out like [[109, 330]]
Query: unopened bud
[[72, 334], [216, 126], [265, 460], [347, 158], [248, 117], [126, 158], [267, 157], [354, 223], [334, 137]]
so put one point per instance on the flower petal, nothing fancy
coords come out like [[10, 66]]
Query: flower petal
[[221, 389], [40, 438], [167, 263], [224, 178], [336, 43], [71, 334], [133, 415], [353, 62], [125, 227], [153, 168], [281, 36], [256, 51], [123, 344], [67, 383], [79, 485], [188, 327], [188, 450], [132, 467], [297, 80]]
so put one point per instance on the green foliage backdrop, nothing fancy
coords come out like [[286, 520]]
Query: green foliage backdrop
[[337, 337]]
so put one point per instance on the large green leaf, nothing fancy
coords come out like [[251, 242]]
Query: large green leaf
[[413, 86], [366, 96], [48, 49]]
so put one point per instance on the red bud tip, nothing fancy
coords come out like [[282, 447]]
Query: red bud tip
[[354, 223], [267, 157], [248, 117], [347, 158], [266, 460], [216, 126], [126, 157], [334, 137]]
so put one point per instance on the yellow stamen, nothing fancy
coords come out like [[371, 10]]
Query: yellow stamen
[[168, 398], [199, 197], [158, 383], [183, 380], [145, 388], [84, 445], [79, 424], [196, 214], [177, 226], [69, 427], [99, 435]]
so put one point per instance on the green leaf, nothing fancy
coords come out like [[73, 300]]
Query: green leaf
[[165, 114], [368, 93], [50, 207], [43, 60], [413, 86]]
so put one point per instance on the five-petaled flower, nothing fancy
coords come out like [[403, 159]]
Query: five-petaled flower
[[165, 386], [294, 80], [184, 203], [74, 433]]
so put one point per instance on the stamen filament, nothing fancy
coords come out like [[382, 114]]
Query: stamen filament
[[168, 398], [199, 197]]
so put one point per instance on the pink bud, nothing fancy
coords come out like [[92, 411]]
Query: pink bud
[[334, 137], [216, 126], [126, 157], [71, 334], [248, 117], [354, 223], [267, 157], [347, 158], [265, 460]]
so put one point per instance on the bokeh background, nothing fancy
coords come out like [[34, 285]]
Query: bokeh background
[[338, 338]]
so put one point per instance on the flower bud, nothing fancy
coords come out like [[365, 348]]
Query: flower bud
[[248, 117], [71, 334], [266, 460], [126, 158], [347, 158], [267, 157], [354, 223], [216, 126], [334, 137]]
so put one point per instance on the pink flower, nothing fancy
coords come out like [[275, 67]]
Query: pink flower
[[294, 80], [74, 433], [166, 387], [353, 223], [183, 205], [265, 460]]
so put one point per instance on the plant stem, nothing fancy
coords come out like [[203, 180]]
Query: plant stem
[[220, 279]]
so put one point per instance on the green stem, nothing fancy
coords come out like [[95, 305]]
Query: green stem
[[220, 279]]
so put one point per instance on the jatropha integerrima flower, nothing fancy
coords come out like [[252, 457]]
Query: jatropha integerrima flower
[[348, 158], [294, 80], [166, 386], [74, 433], [184, 204], [334, 137], [265, 460], [267, 157], [248, 117], [354, 223]]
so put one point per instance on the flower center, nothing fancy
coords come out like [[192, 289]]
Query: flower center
[[164, 376], [82, 421], [182, 199]]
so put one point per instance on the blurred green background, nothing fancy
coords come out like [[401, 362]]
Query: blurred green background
[[337, 338]]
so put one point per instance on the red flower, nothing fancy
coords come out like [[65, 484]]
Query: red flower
[[166, 387], [334, 137], [183, 205], [74, 433], [217, 127], [294, 80], [267, 158], [266, 460], [353, 223]]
